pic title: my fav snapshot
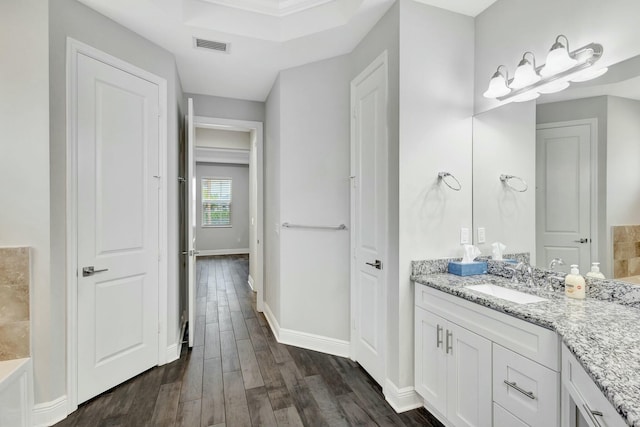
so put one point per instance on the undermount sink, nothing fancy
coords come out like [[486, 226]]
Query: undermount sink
[[506, 294]]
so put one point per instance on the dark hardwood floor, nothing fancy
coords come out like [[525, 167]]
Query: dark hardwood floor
[[237, 374]]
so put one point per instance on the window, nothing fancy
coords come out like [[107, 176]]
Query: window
[[216, 202]]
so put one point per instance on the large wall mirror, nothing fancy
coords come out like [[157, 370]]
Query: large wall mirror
[[570, 169]]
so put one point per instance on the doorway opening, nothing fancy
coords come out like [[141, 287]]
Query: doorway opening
[[224, 199]]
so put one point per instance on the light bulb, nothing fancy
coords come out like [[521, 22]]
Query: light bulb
[[558, 59], [497, 85], [525, 74]]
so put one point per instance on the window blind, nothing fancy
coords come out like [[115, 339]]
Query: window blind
[[216, 202]]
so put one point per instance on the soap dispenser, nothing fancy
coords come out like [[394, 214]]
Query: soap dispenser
[[595, 271], [574, 284]]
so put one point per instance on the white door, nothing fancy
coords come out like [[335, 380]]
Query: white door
[[563, 194], [469, 378], [192, 198], [431, 360], [369, 217], [117, 223]]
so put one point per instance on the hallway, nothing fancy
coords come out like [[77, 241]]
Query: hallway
[[238, 375]]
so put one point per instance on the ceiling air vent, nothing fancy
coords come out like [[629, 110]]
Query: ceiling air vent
[[211, 45]]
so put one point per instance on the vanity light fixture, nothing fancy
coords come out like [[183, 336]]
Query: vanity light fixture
[[562, 66]]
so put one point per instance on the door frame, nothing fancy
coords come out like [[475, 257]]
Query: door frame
[[74, 48], [380, 61], [256, 283], [594, 176]]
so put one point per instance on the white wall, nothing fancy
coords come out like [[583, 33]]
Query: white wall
[[225, 238], [217, 138], [504, 142], [623, 173], [24, 175], [72, 19], [436, 105], [314, 171], [510, 27], [273, 135]]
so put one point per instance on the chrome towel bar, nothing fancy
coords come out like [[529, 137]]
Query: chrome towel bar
[[315, 227]]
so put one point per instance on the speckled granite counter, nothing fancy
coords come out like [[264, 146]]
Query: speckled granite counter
[[603, 335]]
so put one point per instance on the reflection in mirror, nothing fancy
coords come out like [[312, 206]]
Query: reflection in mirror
[[581, 149]]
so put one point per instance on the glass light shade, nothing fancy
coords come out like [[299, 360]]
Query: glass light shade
[[497, 86], [553, 87], [588, 74], [524, 76], [527, 96], [558, 61]]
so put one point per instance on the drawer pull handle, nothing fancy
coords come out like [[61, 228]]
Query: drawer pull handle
[[592, 414], [515, 386], [438, 336], [449, 343]]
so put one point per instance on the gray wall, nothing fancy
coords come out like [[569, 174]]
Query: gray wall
[[227, 108], [436, 105], [225, 238], [24, 177], [68, 18]]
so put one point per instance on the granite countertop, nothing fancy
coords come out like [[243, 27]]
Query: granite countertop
[[603, 335]]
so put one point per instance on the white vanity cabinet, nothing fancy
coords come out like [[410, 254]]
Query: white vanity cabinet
[[475, 366], [584, 405], [453, 372]]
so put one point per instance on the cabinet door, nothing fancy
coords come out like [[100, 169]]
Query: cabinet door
[[430, 360], [469, 378]]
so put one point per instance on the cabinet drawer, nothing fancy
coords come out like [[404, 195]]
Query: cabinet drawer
[[532, 341], [586, 395], [504, 418], [533, 391]]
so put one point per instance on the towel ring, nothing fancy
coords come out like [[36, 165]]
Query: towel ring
[[506, 178], [443, 175]]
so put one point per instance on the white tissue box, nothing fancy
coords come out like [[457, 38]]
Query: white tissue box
[[467, 268]]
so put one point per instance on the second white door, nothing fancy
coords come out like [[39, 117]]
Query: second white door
[[117, 221], [563, 194], [369, 217]]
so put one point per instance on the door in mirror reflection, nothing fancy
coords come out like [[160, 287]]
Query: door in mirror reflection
[[563, 202]]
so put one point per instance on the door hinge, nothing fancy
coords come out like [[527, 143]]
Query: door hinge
[[354, 252], [355, 113]]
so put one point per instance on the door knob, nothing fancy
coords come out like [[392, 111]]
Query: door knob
[[583, 240], [90, 271], [377, 264]]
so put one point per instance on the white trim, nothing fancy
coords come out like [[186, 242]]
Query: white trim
[[75, 47], [49, 413], [213, 252], [251, 283], [258, 128], [222, 155], [594, 176], [173, 352], [380, 61], [305, 340], [402, 399]]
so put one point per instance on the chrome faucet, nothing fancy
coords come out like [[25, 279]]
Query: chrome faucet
[[554, 262], [528, 271]]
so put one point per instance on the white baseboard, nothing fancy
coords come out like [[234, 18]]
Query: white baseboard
[[212, 252], [49, 413], [305, 340], [402, 399], [251, 282], [173, 351]]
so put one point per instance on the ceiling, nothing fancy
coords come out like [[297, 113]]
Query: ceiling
[[264, 36]]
